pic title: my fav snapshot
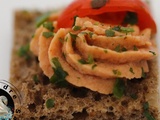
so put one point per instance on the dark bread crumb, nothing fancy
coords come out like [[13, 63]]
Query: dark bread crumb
[[72, 103]]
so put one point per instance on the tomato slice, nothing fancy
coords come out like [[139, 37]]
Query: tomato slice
[[107, 11]]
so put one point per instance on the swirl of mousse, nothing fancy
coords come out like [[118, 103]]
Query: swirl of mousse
[[94, 54], [40, 42]]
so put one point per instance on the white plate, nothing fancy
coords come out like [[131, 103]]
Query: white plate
[[7, 8]]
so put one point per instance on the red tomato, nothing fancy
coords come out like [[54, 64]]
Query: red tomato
[[107, 11]]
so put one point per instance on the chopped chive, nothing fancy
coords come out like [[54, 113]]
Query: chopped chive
[[49, 26], [90, 59], [109, 33], [48, 34], [147, 114], [143, 73], [50, 103], [66, 39], [152, 52], [96, 23], [116, 28], [134, 96], [119, 88], [146, 106], [74, 20], [135, 48], [123, 49], [91, 34], [24, 51], [40, 20], [76, 28], [119, 48], [61, 40], [73, 36], [33, 35], [116, 72], [84, 33], [59, 76], [93, 66], [127, 29], [82, 61], [131, 70], [123, 29], [35, 78]]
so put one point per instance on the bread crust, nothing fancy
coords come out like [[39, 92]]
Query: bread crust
[[73, 103]]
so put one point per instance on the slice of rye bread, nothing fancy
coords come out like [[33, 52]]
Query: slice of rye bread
[[71, 102]]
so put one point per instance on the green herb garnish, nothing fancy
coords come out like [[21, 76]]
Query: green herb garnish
[[48, 34], [90, 34], [96, 23], [84, 33], [74, 20], [143, 73], [147, 114], [49, 26], [50, 103], [131, 18], [152, 52], [73, 36], [118, 48], [134, 96], [76, 28], [33, 36], [82, 61], [110, 33], [117, 72], [40, 20], [24, 51], [90, 60], [35, 78], [127, 29], [135, 48], [123, 29], [93, 66], [146, 106], [61, 40], [66, 39], [131, 70], [123, 49], [59, 77], [117, 28], [119, 88]]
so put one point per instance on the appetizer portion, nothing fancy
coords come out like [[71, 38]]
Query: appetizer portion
[[94, 60], [95, 54]]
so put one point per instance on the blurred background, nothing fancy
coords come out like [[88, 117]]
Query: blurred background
[[7, 8]]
